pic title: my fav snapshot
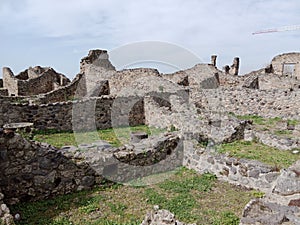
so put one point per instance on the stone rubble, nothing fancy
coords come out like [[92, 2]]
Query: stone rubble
[[161, 217], [197, 103]]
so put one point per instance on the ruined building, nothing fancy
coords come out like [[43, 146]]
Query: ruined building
[[32, 81], [202, 103], [287, 64]]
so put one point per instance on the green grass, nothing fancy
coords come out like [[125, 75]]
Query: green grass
[[191, 197], [115, 136], [293, 122], [260, 152], [258, 120], [283, 132], [269, 124]]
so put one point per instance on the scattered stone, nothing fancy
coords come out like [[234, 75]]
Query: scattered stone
[[259, 211], [288, 183], [161, 217], [136, 137]]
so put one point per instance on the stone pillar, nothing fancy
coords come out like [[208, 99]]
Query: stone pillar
[[214, 60], [234, 69]]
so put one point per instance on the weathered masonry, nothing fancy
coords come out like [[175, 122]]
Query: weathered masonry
[[287, 64]]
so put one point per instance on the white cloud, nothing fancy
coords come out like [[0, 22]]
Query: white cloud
[[204, 27]]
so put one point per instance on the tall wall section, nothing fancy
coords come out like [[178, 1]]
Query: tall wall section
[[266, 103]]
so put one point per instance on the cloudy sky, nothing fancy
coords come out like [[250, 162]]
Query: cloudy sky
[[58, 33]]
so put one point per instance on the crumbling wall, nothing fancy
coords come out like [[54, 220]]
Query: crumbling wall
[[286, 58], [32, 170], [267, 103], [29, 82], [271, 81], [75, 90], [125, 78], [234, 68], [46, 82], [203, 76], [10, 82], [85, 114], [95, 68], [248, 173], [96, 58]]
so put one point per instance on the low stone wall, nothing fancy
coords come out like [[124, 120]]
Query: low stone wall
[[36, 171], [248, 173], [32, 170], [281, 143]]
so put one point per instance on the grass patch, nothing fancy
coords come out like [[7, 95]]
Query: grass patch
[[292, 122], [261, 152], [259, 120], [193, 198], [115, 136], [283, 132], [269, 124]]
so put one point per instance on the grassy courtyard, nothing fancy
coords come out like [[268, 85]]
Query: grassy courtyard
[[191, 197], [116, 136], [258, 151]]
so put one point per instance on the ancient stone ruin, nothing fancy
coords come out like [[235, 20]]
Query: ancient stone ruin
[[200, 103], [32, 81]]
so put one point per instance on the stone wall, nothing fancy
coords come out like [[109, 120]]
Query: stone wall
[[29, 83], [125, 78], [75, 90], [267, 103], [32, 170], [46, 82], [287, 58], [248, 173], [204, 76], [96, 58], [9, 81], [85, 114], [3, 92], [36, 171], [272, 81], [177, 112], [260, 80]]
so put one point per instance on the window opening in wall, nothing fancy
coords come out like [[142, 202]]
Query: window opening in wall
[[289, 69]]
